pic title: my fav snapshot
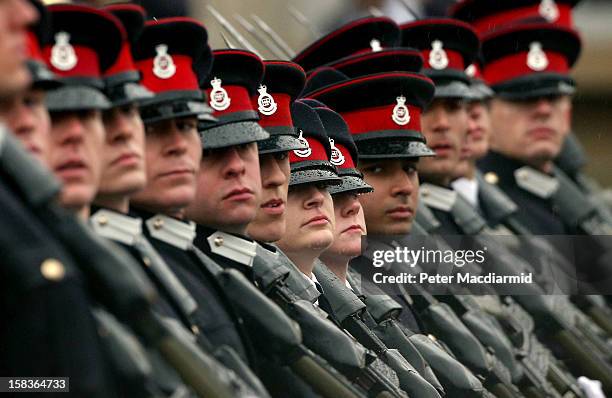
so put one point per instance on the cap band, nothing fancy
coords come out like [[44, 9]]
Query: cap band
[[182, 79], [381, 118], [491, 22], [516, 65], [315, 151]]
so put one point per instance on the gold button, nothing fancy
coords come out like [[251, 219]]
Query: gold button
[[432, 337], [146, 261], [52, 269], [491, 178], [195, 329], [102, 220], [158, 223], [219, 241]]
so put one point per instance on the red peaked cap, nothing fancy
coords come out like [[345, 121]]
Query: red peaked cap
[[338, 131], [239, 73], [173, 56], [387, 60], [284, 82], [86, 41], [530, 59], [132, 18], [448, 46], [37, 37], [382, 111], [488, 15], [357, 37]]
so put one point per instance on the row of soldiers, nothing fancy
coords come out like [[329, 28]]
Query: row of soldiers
[[180, 222]]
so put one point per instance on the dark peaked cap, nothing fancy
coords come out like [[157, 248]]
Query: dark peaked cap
[[234, 79], [383, 112], [282, 83], [530, 60], [344, 152], [360, 36], [488, 15], [448, 47], [311, 165], [173, 57], [85, 42]]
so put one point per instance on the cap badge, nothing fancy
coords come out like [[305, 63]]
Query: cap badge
[[437, 56], [375, 45], [163, 64], [267, 105], [401, 115], [219, 100], [63, 56], [536, 58], [307, 151], [471, 70], [337, 158], [548, 10]]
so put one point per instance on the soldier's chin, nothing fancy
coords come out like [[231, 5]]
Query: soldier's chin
[[13, 83], [544, 150], [77, 196]]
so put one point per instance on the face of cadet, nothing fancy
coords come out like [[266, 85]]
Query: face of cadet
[[123, 167], [27, 117], [444, 125], [269, 223], [172, 157], [310, 225], [15, 17], [229, 188], [476, 143], [350, 226], [74, 155], [391, 208], [532, 130]]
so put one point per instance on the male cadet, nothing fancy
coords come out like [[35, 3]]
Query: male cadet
[[81, 49], [172, 67], [448, 47], [229, 183], [25, 113], [38, 280], [476, 144], [283, 81], [124, 174], [383, 115]]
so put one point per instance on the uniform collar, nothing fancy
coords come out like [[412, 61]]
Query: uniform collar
[[171, 230], [116, 226], [233, 247], [437, 197], [468, 188]]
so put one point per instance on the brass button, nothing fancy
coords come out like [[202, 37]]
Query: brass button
[[102, 221], [219, 241], [52, 269], [491, 178], [195, 330], [158, 223], [432, 337], [147, 261]]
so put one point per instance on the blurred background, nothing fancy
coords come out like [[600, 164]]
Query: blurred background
[[300, 22]]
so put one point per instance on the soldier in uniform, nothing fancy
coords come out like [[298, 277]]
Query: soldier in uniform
[[26, 113], [283, 81], [173, 69], [39, 277], [79, 53]]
